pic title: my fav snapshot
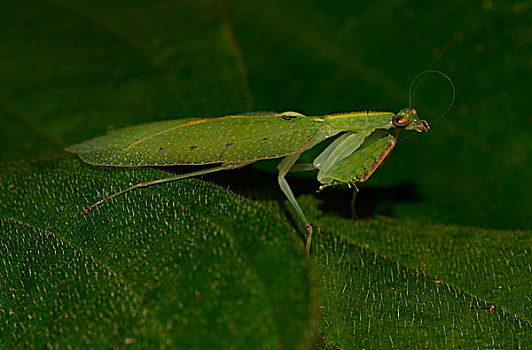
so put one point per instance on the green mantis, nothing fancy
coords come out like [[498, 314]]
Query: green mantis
[[365, 139]]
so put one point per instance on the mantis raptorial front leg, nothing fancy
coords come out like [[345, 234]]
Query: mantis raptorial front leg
[[342, 147], [284, 167]]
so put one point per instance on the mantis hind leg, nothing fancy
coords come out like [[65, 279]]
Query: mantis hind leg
[[284, 167], [227, 166]]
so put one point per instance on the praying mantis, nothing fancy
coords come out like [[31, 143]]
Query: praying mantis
[[365, 140]]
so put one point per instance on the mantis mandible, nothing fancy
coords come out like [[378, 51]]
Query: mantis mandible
[[234, 141]]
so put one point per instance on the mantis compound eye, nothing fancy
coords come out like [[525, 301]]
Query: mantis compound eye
[[400, 121]]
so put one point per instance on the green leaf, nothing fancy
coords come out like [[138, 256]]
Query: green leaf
[[70, 71], [187, 265], [391, 283]]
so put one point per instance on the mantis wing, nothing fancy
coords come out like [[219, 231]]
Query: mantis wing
[[231, 139]]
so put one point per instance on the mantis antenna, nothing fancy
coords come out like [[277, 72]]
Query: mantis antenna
[[414, 84]]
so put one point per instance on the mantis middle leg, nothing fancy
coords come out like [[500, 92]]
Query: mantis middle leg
[[284, 167]]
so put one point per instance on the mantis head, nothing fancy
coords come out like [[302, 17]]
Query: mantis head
[[407, 119]]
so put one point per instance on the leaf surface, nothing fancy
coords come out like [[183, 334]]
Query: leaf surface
[[187, 265]]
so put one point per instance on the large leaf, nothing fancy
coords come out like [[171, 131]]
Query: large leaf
[[397, 283], [187, 265], [71, 70]]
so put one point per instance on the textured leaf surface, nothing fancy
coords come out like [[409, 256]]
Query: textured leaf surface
[[186, 265], [396, 283], [71, 71]]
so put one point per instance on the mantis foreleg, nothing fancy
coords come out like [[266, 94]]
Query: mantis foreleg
[[338, 150]]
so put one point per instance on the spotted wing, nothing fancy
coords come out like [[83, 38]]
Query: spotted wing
[[234, 139]]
